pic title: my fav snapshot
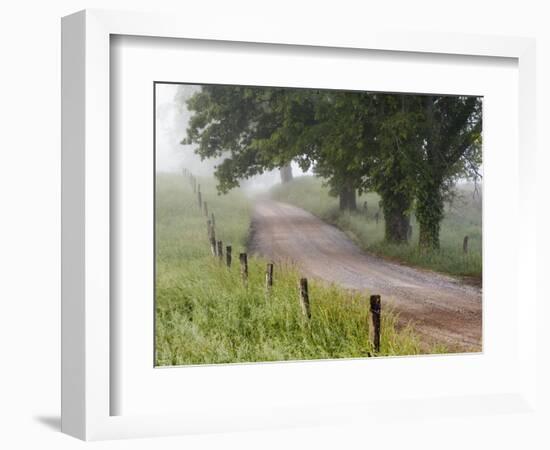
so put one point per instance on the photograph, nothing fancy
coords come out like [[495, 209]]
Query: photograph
[[298, 224]]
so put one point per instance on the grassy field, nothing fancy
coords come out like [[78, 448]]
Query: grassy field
[[462, 218], [206, 315]]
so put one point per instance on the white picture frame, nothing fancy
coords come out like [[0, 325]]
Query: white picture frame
[[87, 384]]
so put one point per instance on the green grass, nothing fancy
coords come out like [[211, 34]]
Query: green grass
[[206, 315], [462, 218]]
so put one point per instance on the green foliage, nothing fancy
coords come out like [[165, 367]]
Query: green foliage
[[410, 149], [247, 125], [462, 218], [450, 128], [393, 141], [205, 315]]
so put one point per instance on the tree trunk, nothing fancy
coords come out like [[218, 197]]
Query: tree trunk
[[396, 217], [429, 214], [397, 224], [286, 173], [429, 235], [352, 200], [343, 201], [348, 198], [429, 196]]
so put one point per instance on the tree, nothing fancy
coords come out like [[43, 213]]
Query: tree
[[392, 139], [450, 150], [232, 121], [424, 144], [338, 155]]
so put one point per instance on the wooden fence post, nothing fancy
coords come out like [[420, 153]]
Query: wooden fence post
[[209, 229], [213, 246], [205, 208], [199, 198], [220, 250], [377, 217], [465, 244], [269, 277], [194, 183], [213, 220], [211, 234], [243, 258], [304, 298], [376, 310], [228, 256]]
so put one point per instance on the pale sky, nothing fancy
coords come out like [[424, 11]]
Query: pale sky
[[171, 125]]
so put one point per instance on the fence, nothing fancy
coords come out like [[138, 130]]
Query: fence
[[216, 247]]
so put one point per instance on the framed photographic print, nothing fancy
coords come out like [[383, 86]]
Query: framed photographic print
[[270, 230]]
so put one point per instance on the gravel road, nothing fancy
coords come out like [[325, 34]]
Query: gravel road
[[442, 309]]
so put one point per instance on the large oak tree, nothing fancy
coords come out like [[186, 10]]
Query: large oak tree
[[451, 150]]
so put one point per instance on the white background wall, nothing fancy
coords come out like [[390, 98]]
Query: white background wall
[[30, 198]]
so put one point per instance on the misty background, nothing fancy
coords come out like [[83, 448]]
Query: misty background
[[172, 118]]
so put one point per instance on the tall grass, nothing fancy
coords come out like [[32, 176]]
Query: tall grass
[[462, 218], [205, 314]]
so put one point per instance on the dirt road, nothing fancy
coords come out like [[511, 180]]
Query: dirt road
[[443, 309]]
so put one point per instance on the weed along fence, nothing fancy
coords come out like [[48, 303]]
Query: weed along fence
[[303, 295]]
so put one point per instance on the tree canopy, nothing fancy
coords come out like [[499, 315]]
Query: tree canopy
[[410, 149]]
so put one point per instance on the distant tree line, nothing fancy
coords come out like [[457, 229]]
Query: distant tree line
[[410, 149]]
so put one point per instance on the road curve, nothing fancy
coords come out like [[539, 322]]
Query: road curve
[[441, 309]]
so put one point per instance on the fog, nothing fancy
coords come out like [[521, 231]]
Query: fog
[[172, 118]]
